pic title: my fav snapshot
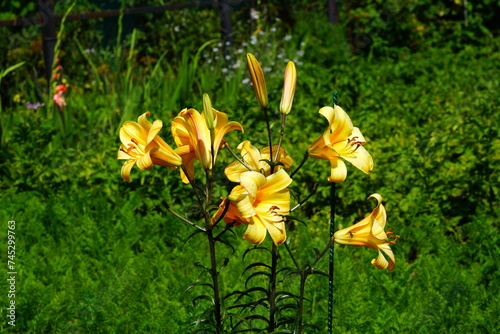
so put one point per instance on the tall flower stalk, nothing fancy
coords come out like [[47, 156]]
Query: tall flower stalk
[[261, 200]]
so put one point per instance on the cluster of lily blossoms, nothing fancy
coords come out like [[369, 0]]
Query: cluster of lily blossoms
[[261, 200]]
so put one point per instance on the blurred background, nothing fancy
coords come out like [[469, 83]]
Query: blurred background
[[96, 254]]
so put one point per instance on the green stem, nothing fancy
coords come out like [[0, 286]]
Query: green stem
[[331, 259], [315, 187], [303, 278], [210, 174], [332, 249], [193, 185], [304, 273], [320, 255], [293, 257], [282, 132], [226, 145], [211, 240], [301, 164], [215, 282], [269, 137], [272, 288]]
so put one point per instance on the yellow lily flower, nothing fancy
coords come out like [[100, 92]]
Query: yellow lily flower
[[341, 141], [258, 80], [252, 157], [370, 233], [142, 146], [193, 138], [263, 201], [288, 88]]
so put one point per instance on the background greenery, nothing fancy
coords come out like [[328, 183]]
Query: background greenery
[[98, 255]]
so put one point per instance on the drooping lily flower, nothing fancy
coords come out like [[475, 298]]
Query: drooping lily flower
[[370, 233], [142, 146], [341, 141], [255, 159], [194, 141], [262, 202]]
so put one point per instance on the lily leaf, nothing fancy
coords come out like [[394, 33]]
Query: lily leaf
[[203, 297]]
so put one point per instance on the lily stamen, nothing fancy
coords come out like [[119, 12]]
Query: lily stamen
[[396, 237], [349, 140], [130, 148]]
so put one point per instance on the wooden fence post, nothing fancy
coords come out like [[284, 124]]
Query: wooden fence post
[[332, 12], [224, 10], [49, 34]]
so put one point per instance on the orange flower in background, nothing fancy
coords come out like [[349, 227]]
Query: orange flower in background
[[142, 147], [254, 159], [370, 233], [194, 141], [262, 202], [59, 97], [341, 141]]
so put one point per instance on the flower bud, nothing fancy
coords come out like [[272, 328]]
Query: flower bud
[[258, 80], [288, 88], [208, 111]]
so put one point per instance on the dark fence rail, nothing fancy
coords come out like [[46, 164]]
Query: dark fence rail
[[47, 20], [46, 9]]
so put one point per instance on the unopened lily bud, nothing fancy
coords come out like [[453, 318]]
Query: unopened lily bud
[[208, 111], [258, 80], [288, 88]]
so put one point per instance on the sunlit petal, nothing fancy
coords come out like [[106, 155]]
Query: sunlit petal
[[357, 156], [252, 181], [251, 155], [143, 121], [145, 162], [342, 127], [154, 130], [380, 262], [126, 168], [338, 171], [276, 231], [122, 154], [132, 131], [234, 170], [277, 181], [256, 231]]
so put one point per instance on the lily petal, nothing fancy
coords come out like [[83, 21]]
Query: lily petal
[[126, 168], [252, 181], [256, 231], [338, 172], [276, 231]]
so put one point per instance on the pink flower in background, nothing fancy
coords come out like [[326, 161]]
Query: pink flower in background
[[58, 96]]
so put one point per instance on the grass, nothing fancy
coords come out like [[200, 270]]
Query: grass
[[96, 254]]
